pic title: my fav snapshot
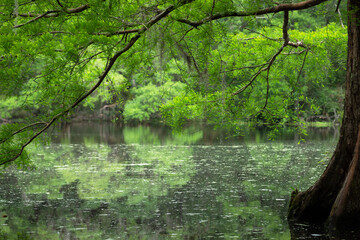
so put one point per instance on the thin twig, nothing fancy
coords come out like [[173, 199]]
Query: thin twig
[[295, 53], [337, 6], [212, 8], [109, 34], [300, 72], [272, 39], [21, 130], [50, 13], [107, 69], [246, 67], [35, 19], [260, 71], [272, 60], [275, 9], [267, 89]]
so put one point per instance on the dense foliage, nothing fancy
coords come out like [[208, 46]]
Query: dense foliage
[[140, 61]]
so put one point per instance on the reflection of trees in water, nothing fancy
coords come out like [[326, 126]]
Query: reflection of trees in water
[[10, 191], [101, 132], [236, 191], [198, 206], [213, 191], [70, 192], [105, 133], [214, 202], [29, 216]]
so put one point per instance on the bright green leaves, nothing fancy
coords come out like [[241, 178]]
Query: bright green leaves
[[192, 106], [288, 93], [214, 72], [148, 100], [110, 91], [181, 109], [15, 64], [12, 146], [323, 77]]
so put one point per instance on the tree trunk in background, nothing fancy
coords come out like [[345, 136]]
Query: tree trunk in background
[[335, 197]]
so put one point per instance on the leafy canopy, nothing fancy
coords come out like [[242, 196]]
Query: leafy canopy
[[219, 61]]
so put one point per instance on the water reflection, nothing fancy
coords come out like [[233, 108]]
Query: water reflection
[[113, 134], [107, 182]]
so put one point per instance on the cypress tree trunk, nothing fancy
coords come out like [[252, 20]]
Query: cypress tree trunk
[[335, 197]]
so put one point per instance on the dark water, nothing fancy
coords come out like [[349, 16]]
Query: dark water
[[105, 182]]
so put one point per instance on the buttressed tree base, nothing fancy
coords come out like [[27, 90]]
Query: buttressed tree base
[[334, 197]]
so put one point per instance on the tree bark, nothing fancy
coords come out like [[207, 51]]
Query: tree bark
[[334, 198]]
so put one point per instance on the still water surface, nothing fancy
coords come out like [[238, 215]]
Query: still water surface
[[98, 181]]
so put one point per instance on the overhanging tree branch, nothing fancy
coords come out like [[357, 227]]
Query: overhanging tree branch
[[22, 130], [70, 11], [287, 42], [254, 77], [275, 9], [101, 78], [149, 24], [59, 115], [51, 13]]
